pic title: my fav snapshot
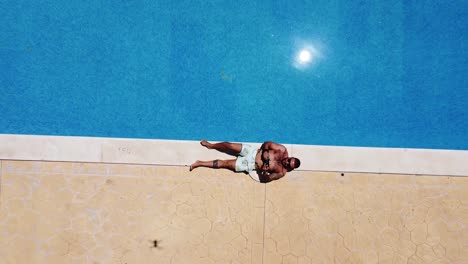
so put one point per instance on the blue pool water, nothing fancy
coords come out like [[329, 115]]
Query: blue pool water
[[380, 73]]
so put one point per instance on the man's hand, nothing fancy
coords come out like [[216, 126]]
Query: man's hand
[[263, 176], [263, 173]]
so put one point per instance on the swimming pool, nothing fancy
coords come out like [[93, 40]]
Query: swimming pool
[[379, 74]]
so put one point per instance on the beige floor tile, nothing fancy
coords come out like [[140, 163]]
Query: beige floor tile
[[1, 172], [79, 213], [59, 212], [366, 218]]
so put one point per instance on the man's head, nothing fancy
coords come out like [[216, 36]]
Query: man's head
[[291, 163]]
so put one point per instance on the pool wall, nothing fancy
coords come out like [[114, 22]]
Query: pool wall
[[104, 200]]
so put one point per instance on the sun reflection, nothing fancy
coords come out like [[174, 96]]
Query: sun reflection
[[306, 55]]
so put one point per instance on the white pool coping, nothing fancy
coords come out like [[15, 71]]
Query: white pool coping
[[183, 153]]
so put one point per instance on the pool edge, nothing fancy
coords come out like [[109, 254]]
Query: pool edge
[[183, 153]]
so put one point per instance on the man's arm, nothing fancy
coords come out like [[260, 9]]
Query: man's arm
[[273, 146], [265, 145], [275, 176], [266, 177]]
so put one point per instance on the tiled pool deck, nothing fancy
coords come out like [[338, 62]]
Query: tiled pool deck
[[100, 200]]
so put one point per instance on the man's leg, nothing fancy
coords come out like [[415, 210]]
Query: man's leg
[[215, 164], [226, 147]]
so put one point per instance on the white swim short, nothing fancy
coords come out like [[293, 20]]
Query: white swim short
[[246, 161]]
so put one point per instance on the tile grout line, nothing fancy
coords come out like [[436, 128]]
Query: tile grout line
[[264, 222]]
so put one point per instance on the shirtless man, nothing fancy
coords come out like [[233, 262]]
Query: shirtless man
[[271, 160]]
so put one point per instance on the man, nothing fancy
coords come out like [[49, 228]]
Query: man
[[271, 160]]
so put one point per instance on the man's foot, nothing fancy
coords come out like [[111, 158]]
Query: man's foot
[[206, 144], [195, 165]]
